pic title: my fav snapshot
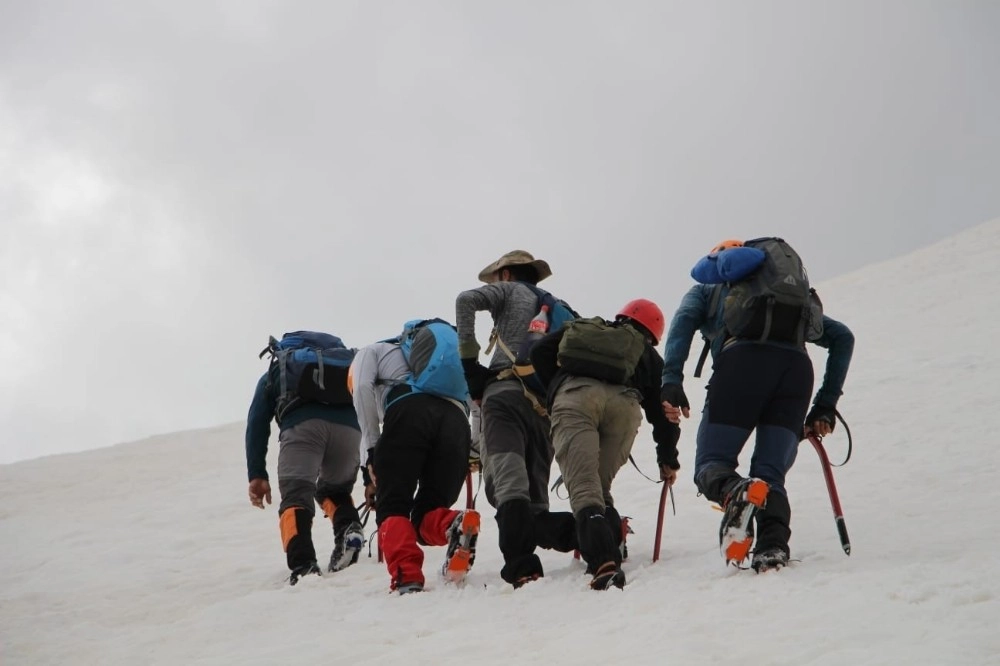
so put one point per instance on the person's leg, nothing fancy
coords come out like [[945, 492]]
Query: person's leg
[[505, 476], [738, 391], [399, 456], [300, 453], [554, 530], [444, 471], [777, 446], [576, 421], [619, 427], [618, 432], [337, 477]]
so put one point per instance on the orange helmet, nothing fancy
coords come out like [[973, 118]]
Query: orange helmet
[[725, 245], [646, 313]]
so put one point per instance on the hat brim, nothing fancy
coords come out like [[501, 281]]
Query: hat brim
[[489, 274]]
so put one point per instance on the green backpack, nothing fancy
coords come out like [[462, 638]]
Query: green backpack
[[596, 348]]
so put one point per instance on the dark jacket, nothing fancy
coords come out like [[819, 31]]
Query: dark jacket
[[645, 379], [259, 419], [696, 314]]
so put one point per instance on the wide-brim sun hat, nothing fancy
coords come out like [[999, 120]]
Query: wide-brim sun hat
[[515, 258]]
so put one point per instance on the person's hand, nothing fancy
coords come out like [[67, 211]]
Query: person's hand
[[820, 421], [672, 413], [476, 376], [673, 398], [668, 474], [259, 492], [370, 483]]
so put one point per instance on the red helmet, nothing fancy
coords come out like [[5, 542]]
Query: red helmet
[[646, 313]]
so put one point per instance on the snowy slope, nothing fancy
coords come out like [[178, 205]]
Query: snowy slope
[[149, 551]]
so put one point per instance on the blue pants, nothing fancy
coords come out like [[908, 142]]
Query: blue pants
[[754, 386]]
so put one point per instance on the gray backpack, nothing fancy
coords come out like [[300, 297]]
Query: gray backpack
[[775, 302], [594, 348]]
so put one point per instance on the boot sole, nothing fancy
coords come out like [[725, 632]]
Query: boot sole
[[458, 565], [352, 550], [736, 542]]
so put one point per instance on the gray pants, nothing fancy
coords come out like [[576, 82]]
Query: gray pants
[[593, 427], [317, 459], [515, 447]]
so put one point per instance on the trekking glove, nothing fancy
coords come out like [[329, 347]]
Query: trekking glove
[[674, 394], [666, 449], [476, 376], [665, 458], [823, 413]]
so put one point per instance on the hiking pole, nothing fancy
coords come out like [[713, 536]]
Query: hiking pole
[[659, 521], [469, 502], [838, 513]]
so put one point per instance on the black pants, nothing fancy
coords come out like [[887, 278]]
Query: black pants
[[422, 457], [755, 386]]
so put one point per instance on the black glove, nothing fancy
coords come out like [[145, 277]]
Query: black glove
[[365, 476], [822, 413], [674, 394], [666, 449], [476, 376]]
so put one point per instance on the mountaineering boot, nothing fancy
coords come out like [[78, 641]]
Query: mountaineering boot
[[461, 553], [347, 546], [307, 569], [524, 580], [626, 530], [608, 574], [736, 529], [409, 588], [772, 558]]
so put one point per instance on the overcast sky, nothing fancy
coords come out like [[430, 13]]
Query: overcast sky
[[179, 180]]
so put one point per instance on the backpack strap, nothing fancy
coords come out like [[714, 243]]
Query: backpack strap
[[768, 319], [319, 369], [495, 341], [713, 305]]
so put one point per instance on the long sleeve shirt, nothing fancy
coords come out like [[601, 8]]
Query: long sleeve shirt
[[376, 369], [695, 314], [512, 305], [262, 410]]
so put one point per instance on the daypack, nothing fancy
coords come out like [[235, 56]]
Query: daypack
[[308, 367], [430, 347], [558, 313], [774, 302], [596, 348]]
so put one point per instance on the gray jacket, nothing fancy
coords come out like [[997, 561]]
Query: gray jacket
[[512, 305]]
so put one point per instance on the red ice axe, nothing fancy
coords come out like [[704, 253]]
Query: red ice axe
[[838, 513], [659, 518]]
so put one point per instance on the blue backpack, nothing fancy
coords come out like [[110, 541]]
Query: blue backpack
[[430, 347], [308, 367]]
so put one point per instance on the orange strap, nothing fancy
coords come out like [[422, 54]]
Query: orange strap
[[289, 526]]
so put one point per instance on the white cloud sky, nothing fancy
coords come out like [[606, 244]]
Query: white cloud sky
[[180, 180]]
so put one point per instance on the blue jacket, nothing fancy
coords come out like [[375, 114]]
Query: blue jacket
[[695, 314], [262, 408]]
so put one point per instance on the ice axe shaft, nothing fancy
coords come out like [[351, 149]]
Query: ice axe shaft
[[831, 487], [659, 521]]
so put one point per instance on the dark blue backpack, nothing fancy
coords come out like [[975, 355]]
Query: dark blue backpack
[[308, 367], [430, 347]]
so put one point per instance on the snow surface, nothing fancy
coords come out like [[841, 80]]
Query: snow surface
[[149, 552]]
